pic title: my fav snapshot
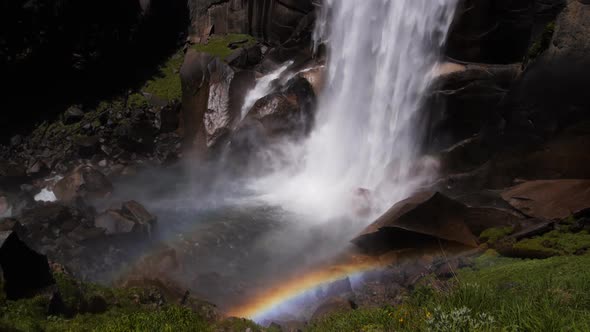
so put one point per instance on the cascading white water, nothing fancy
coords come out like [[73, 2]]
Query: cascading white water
[[262, 88], [381, 60]]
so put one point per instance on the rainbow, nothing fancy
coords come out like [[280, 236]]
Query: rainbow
[[266, 303]]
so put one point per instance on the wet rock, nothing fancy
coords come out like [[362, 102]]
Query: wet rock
[[133, 218], [550, 199], [83, 181], [138, 213], [219, 117], [288, 113], [25, 271], [427, 218]]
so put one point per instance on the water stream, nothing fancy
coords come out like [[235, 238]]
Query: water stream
[[381, 60]]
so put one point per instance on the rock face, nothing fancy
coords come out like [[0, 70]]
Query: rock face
[[25, 271], [429, 217], [556, 80], [550, 199], [467, 100], [273, 21], [494, 31]]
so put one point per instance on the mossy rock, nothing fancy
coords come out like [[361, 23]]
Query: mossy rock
[[493, 235]]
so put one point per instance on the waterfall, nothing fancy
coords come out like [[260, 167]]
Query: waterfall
[[382, 56]]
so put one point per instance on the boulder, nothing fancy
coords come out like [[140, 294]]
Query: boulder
[[429, 217], [85, 182], [289, 112], [132, 218], [26, 272], [550, 199]]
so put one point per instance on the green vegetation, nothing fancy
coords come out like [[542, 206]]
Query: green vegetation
[[542, 44], [499, 294], [219, 45], [493, 235], [166, 85], [556, 243], [129, 309]]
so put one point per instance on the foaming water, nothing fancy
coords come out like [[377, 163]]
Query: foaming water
[[382, 56], [263, 87]]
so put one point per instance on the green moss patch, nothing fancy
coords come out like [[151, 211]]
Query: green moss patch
[[497, 294], [166, 84], [556, 243], [493, 235], [219, 45]]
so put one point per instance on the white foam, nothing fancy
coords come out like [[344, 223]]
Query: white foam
[[45, 195]]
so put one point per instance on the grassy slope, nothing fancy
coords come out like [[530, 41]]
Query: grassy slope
[[128, 310], [496, 294]]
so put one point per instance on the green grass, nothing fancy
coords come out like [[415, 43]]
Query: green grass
[[219, 45], [498, 294], [166, 84], [128, 309]]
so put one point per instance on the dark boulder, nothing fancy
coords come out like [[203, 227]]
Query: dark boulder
[[427, 218], [289, 112], [26, 272]]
